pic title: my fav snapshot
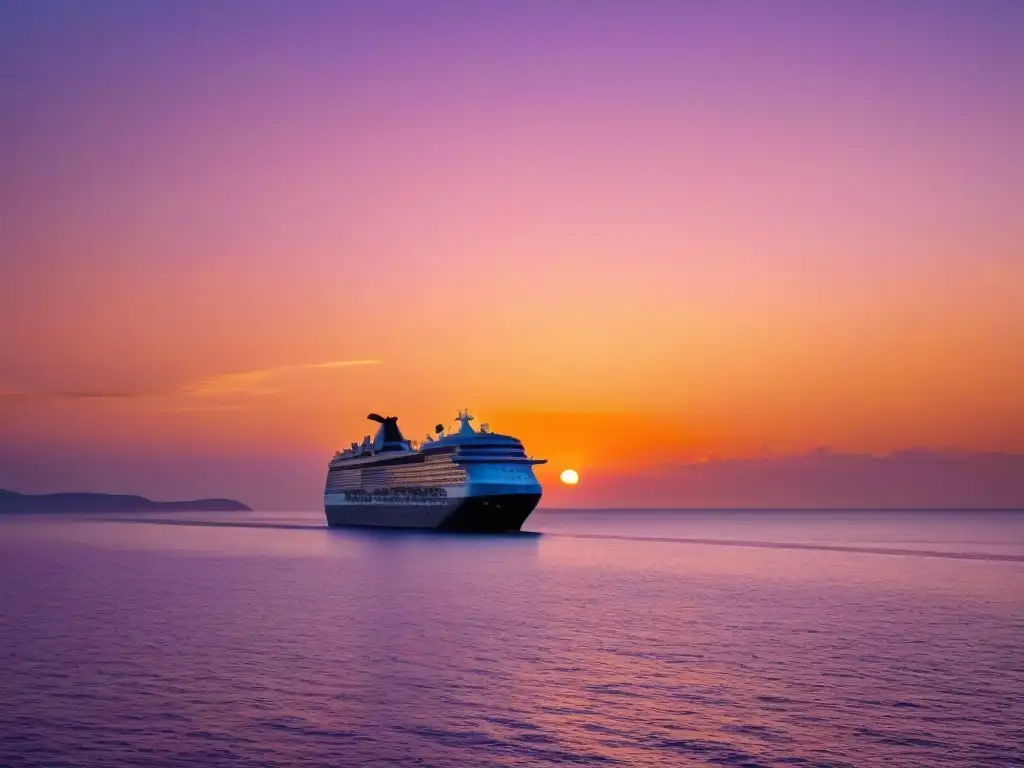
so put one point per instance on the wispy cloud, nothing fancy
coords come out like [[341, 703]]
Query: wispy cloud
[[245, 383], [257, 382], [94, 395], [9, 395], [206, 407], [227, 386], [339, 364]]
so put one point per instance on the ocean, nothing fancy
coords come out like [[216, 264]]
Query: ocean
[[632, 638]]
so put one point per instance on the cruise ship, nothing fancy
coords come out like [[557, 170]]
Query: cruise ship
[[468, 480]]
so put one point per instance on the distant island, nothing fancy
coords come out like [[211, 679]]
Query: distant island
[[106, 502]]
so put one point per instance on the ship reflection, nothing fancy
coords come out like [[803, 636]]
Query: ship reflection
[[401, 538]]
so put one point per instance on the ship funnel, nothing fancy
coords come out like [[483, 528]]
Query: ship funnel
[[389, 436]]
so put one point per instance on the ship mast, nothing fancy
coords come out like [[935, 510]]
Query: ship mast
[[464, 418]]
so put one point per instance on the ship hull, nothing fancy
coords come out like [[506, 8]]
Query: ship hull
[[491, 513]]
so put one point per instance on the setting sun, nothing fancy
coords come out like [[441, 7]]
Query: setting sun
[[570, 477]]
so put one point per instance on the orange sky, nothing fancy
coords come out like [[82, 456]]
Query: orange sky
[[699, 249]]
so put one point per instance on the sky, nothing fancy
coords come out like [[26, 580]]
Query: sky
[[661, 242]]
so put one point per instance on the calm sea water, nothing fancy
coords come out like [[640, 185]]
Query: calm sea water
[[608, 638]]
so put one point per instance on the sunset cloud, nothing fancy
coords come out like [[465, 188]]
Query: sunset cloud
[[94, 395], [79, 395], [206, 408], [909, 478], [255, 383]]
